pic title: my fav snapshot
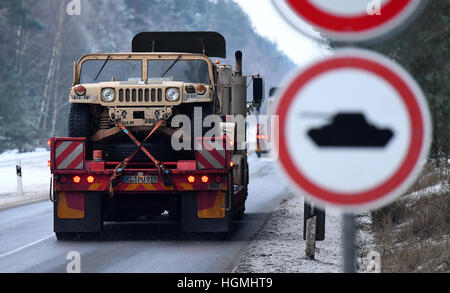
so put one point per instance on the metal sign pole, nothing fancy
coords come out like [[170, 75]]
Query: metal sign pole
[[349, 236]]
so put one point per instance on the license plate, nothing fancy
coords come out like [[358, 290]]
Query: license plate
[[141, 179]]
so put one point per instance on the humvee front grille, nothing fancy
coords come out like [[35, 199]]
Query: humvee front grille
[[140, 95]]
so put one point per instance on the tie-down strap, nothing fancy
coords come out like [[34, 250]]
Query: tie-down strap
[[140, 146]]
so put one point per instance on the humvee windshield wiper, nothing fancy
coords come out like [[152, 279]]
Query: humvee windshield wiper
[[171, 66], [103, 66]]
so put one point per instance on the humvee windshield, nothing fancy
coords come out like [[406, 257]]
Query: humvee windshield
[[192, 71], [93, 71]]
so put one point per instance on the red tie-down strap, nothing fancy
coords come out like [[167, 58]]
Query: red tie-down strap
[[140, 146]]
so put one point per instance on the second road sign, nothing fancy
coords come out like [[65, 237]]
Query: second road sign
[[349, 20], [354, 131]]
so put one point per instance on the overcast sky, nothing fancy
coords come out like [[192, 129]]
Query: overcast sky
[[269, 23]]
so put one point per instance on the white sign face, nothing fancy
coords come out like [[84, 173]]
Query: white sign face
[[354, 130], [349, 20]]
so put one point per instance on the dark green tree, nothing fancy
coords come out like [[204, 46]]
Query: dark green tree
[[424, 50]]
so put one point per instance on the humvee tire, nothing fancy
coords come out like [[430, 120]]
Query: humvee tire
[[79, 120]]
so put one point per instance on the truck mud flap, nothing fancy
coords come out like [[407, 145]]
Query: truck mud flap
[[205, 212], [78, 212]]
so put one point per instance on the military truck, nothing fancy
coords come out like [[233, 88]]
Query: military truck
[[129, 111]]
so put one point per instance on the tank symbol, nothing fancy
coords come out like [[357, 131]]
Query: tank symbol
[[350, 130]]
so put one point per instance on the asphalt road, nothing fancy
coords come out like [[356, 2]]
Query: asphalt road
[[28, 245]]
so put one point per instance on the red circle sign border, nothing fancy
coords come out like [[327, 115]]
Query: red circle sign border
[[417, 124], [343, 28], [341, 24]]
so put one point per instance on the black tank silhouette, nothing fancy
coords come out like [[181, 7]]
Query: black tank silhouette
[[350, 130]]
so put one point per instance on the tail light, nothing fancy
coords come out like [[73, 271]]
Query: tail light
[[191, 179], [205, 179], [219, 179], [76, 179], [90, 179]]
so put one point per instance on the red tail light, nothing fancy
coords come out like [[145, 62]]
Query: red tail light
[[191, 179], [76, 179], [205, 179], [90, 179]]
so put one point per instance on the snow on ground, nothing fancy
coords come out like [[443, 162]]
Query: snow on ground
[[35, 171], [428, 191], [279, 246]]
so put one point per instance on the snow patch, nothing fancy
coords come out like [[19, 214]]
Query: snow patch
[[35, 171], [279, 246]]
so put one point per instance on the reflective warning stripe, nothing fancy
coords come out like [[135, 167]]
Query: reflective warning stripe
[[210, 158], [69, 155]]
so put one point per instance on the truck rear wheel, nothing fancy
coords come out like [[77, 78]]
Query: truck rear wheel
[[79, 120], [67, 236]]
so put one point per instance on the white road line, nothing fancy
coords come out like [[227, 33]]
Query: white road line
[[26, 246]]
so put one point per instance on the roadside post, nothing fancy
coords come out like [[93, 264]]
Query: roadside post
[[313, 227], [19, 177]]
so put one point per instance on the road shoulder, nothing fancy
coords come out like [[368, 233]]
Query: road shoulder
[[12, 200], [279, 247]]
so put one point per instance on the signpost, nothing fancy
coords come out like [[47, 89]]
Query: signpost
[[354, 132], [349, 20]]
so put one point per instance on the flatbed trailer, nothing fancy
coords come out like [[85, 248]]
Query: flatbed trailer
[[201, 193]]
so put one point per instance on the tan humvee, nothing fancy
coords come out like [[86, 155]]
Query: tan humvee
[[168, 73]]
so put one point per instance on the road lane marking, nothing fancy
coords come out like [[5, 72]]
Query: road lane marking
[[26, 246]]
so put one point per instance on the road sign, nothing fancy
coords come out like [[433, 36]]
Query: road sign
[[354, 130], [349, 20]]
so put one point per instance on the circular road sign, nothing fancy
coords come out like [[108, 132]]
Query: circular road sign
[[354, 132], [349, 20]]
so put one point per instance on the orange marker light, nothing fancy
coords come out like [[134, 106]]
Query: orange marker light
[[191, 179], [76, 179], [90, 179], [49, 164], [231, 164], [205, 179], [49, 142]]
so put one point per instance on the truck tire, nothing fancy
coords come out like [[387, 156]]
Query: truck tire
[[70, 236], [62, 236], [79, 120], [118, 152]]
